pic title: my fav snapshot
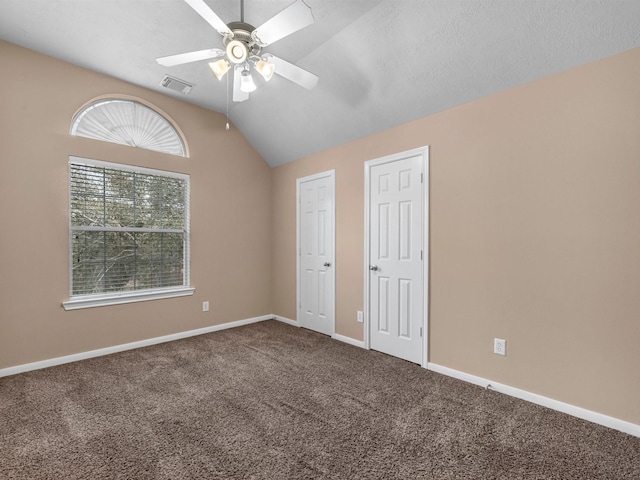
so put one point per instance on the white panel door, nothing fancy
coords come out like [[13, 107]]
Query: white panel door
[[316, 244], [395, 256]]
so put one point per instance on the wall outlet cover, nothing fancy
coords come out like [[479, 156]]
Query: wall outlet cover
[[499, 346]]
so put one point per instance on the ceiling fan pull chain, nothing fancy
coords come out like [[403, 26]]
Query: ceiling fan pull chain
[[227, 126]]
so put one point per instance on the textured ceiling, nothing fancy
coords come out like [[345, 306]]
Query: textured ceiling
[[381, 62]]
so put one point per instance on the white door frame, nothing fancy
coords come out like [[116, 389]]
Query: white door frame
[[332, 307], [424, 153]]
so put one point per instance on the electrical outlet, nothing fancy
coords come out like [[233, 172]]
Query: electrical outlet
[[499, 346], [205, 306], [360, 316]]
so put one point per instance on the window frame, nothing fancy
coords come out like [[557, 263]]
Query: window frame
[[129, 296]]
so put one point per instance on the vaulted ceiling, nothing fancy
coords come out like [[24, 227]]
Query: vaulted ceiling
[[381, 63]]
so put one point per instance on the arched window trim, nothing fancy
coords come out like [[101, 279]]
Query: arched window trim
[[97, 101]]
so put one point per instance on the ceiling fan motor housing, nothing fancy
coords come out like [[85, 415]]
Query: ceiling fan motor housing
[[240, 44]]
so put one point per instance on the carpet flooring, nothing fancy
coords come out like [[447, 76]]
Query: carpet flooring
[[271, 401]]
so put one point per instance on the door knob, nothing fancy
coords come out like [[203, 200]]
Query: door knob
[[327, 264], [373, 267]]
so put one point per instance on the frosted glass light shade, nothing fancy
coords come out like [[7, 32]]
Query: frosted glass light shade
[[246, 82], [219, 68], [128, 123], [266, 69]]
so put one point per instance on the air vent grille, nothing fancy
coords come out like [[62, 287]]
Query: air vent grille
[[176, 84]]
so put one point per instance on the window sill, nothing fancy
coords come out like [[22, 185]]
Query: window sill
[[89, 301]]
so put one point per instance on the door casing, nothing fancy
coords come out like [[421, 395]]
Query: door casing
[[424, 153]]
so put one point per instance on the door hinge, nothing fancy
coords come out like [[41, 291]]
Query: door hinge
[[422, 178], [420, 331], [421, 255]]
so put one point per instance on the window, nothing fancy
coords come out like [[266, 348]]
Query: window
[[128, 122], [129, 234]]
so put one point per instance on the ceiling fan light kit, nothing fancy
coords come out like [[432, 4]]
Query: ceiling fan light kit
[[243, 45]]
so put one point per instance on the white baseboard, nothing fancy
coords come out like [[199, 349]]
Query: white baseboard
[[288, 321], [349, 340], [335, 336], [599, 418], [126, 346]]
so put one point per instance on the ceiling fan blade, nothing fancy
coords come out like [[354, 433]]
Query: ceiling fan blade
[[293, 18], [209, 15], [181, 58], [238, 95], [294, 73]]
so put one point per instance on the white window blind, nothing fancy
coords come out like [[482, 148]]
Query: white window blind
[[128, 123], [129, 229]]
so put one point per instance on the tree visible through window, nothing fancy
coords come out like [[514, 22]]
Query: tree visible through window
[[129, 228]]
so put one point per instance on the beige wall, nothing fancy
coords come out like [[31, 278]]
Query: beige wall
[[535, 234], [230, 215]]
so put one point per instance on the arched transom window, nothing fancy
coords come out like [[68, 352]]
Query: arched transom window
[[128, 122]]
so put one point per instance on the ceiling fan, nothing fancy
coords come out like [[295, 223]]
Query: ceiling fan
[[243, 48]]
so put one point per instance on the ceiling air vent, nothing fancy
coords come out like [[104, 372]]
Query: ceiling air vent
[[176, 84]]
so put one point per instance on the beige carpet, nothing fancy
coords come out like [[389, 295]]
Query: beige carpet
[[271, 401]]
